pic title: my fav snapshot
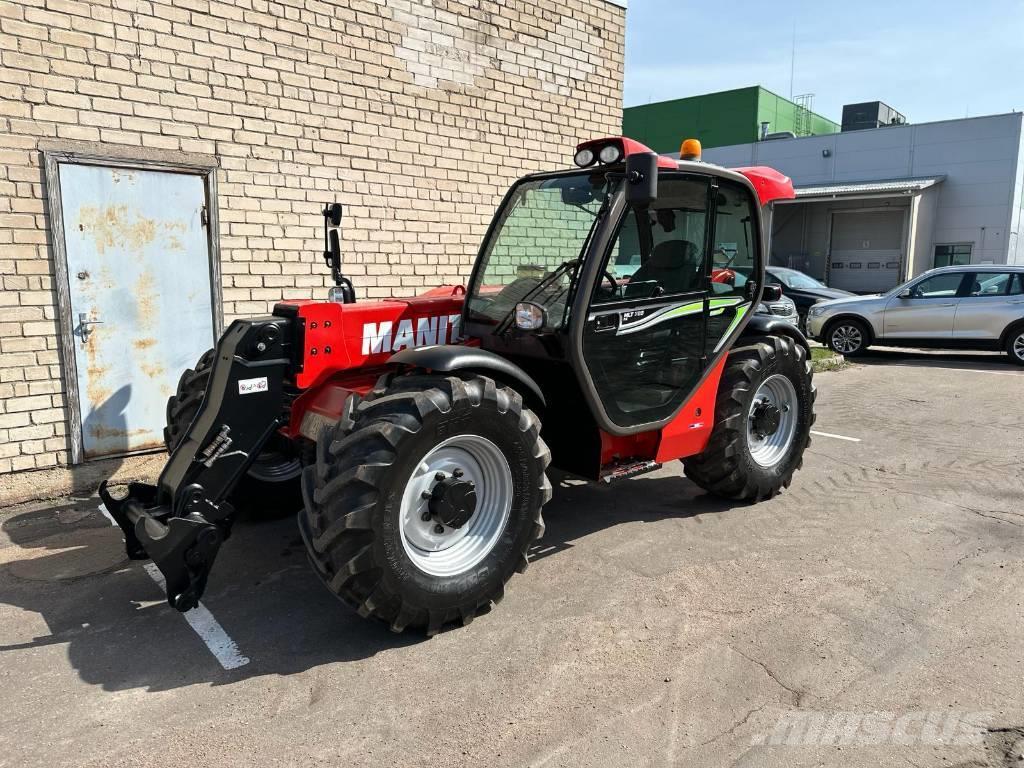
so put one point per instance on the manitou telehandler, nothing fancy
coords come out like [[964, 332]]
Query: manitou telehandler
[[606, 328]]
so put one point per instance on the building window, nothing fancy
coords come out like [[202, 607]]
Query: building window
[[952, 254]]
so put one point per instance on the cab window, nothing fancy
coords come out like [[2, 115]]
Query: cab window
[[659, 250], [734, 248]]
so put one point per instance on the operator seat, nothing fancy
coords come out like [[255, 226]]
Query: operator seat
[[674, 265]]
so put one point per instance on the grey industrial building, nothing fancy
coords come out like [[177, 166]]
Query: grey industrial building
[[876, 207]]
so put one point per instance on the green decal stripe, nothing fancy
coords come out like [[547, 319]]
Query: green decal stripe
[[666, 314], [741, 311], [685, 309], [717, 306]]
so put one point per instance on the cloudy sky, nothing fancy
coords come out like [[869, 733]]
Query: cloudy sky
[[929, 59]]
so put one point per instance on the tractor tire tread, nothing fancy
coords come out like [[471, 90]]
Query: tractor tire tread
[[352, 470], [719, 469]]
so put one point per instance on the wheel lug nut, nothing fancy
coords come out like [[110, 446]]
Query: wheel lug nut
[[425, 516], [426, 495], [457, 473], [438, 528], [439, 476]]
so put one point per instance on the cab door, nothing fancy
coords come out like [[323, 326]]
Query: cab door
[[674, 286], [645, 335]]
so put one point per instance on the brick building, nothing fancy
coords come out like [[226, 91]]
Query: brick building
[[415, 114]]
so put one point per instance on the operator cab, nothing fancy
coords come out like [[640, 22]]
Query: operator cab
[[619, 284]]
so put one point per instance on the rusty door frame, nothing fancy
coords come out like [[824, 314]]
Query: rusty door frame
[[205, 167]]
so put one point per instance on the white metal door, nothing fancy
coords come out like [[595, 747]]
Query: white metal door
[[866, 250], [140, 294]]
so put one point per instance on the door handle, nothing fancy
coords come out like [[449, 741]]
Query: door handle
[[605, 323], [83, 325]]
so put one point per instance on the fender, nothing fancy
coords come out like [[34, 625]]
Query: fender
[[455, 357], [873, 334], [767, 326], [1011, 328]]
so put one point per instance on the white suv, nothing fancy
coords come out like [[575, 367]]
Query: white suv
[[962, 307]]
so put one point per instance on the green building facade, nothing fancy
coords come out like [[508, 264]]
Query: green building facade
[[719, 119]]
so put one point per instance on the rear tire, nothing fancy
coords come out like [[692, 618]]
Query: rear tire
[[272, 486], [739, 461], [370, 533], [848, 338], [1015, 345]]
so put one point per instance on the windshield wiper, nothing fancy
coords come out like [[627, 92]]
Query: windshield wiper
[[543, 283]]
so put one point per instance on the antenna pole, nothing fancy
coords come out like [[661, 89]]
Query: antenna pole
[[792, 63]]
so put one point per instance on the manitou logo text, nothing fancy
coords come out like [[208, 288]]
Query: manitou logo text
[[418, 332]]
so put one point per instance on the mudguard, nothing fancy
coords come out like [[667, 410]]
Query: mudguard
[[767, 326], [453, 357]]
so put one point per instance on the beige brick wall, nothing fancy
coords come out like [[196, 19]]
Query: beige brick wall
[[417, 114]]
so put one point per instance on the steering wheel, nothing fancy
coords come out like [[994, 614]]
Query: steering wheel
[[611, 279]]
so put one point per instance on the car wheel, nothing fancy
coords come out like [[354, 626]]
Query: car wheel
[[847, 337], [1015, 346]]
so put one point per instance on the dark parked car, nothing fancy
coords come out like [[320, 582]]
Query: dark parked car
[[803, 289]]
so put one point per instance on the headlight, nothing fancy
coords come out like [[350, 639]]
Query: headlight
[[816, 310], [529, 317], [762, 308]]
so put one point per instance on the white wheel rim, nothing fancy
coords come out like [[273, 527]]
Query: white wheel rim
[[847, 339], [1018, 347], [768, 450], [457, 550]]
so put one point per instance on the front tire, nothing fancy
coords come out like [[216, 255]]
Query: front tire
[[848, 338], [375, 523], [763, 417], [1015, 346], [272, 486]]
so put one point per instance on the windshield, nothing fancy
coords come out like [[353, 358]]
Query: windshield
[[534, 251], [796, 280]]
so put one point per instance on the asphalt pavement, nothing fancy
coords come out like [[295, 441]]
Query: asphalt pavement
[[871, 615]]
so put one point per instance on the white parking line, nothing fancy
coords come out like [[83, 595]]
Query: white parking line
[[223, 648], [954, 368], [837, 437]]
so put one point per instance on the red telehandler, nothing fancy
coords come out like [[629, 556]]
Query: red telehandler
[[606, 329]]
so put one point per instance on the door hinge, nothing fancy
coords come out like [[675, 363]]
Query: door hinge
[[204, 217]]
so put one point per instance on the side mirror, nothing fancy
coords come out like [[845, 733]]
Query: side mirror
[[771, 292], [641, 179], [333, 253], [906, 293], [343, 291], [332, 213]]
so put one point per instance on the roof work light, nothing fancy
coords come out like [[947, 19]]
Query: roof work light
[[584, 157]]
